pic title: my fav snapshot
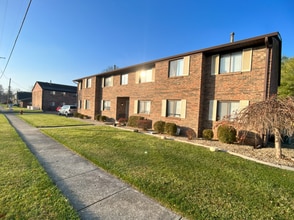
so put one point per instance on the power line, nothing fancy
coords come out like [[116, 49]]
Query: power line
[[23, 20]]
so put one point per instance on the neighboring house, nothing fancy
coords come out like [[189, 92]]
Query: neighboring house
[[193, 89], [47, 96], [23, 99]]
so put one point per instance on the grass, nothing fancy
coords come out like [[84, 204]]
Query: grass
[[190, 180], [51, 120], [26, 192], [16, 109]]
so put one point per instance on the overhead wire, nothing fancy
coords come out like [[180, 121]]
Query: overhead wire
[[11, 52]]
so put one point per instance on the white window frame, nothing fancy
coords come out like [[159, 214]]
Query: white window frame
[[124, 79], [231, 62], [239, 61], [87, 104], [146, 76], [144, 107], [179, 67], [105, 105], [88, 83], [108, 81]]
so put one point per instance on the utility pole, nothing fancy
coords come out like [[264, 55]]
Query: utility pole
[[8, 95]]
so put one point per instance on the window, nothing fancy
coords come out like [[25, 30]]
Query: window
[[227, 109], [106, 105], [52, 92], [144, 107], [124, 79], [179, 67], [174, 108], [87, 104], [108, 81], [64, 93], [80, 85], [52, 104], [231, 62], [176, 67], [88, 83], [80, 104], [145, 76]]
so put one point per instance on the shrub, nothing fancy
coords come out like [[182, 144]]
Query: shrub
[[81, 116], [159, 126], [133, 120], [170, 128], [76, 114], [103, 118], [145, 124], [226, 134], [190, 133], [207, 134], [97, 117]]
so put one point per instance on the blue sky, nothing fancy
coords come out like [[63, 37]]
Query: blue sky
[[63, 40]]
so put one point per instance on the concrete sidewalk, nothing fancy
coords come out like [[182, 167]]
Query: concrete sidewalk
[[94, 193]]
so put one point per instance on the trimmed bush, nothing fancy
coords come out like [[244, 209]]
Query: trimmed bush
[[207, 134], [190, 133], [97, 117], [145, 124], [103, 118], [133, 120], [226, 134], [159, 126], [170, 128]]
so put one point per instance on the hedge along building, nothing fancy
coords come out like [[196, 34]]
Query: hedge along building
[[193, 89]]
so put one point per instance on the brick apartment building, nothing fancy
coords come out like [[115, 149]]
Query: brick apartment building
[[193, 89], [47, 96]]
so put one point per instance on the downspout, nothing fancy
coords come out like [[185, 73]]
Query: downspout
[[266, 77]]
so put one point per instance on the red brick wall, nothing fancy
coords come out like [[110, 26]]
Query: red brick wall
[[197, 89]]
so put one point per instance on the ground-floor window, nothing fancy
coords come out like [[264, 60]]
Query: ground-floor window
[[144, 107]]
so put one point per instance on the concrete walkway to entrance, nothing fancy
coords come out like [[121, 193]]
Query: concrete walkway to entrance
[[94, 193]]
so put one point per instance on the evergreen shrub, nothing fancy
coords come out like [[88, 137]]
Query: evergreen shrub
[[207, 134], [159, 126], [226, 134]]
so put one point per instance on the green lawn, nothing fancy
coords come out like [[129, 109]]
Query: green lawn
[[51, 120], [26, 192], [191, 180]]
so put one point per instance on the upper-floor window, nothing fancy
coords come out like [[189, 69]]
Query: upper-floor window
[[108, 81], [88, 83], [64, 93], [124, 79], [144, 107], [146, 76], [239, 61], [52, 92], [179, 67], [231, 62], [80, 85]]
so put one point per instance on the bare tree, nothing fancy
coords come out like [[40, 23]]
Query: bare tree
[[274, 115]]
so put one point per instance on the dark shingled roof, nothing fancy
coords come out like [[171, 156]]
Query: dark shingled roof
[[57, 87], [24, 95]]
